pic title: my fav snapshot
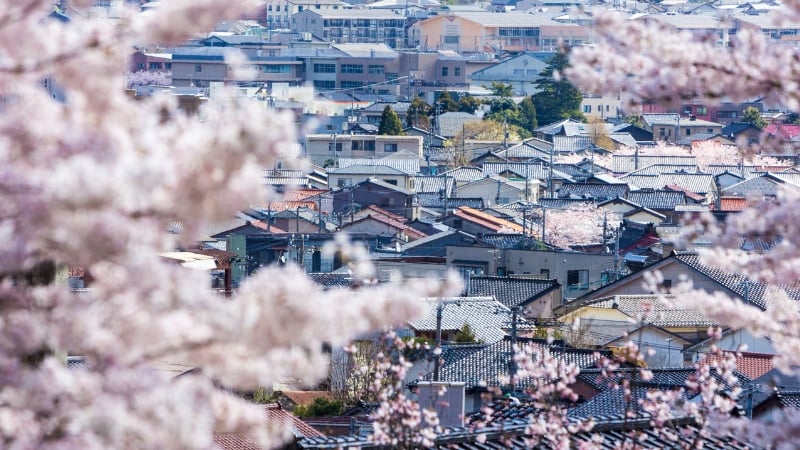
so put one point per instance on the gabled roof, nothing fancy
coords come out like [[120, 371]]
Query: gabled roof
[[486, 220], [657, 199], [465, 174], [369, 169], [435, 200], [654, 309], [385, 185], [597, 191], [658, 169], [511, 292], [752, 365], [409, 166], [450, 124], [630, 163], [486, 316], [533, 171], [488, 367]]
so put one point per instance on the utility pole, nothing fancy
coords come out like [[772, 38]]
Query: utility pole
[[512, 365], [438, 351]]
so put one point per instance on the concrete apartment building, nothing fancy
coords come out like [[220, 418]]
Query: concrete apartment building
[[353, 26], [323, 147], [277, 14], [372, 68], [474, 32]]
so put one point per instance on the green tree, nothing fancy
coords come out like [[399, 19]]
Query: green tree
[[390, 123], [320, 407], [527, 112], [500, 89], [465, 335], [557, 99], [418, 113], [468, 104], [446, 102], [752, 115]]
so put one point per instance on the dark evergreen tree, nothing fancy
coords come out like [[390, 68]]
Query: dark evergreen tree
[[557, 99], [418, 113], [446, 102], [527, 112], [390, 123]]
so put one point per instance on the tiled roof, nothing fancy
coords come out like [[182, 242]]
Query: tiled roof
[[699, 183], [486, 316], [465, 174], [730, 204], [571, 144], [234, 441], [488, 366], [487, 220], [370, 169], [596, 191], [330, 280], [657, 169], [533, 171], [434, 200], [623, 139], [512, 434], [657, 199], [276, 416], [642, 181], [76, 362], [433, 184], [573, 170], [562, 203], [524, 151], [450, 124], [749, 290], [782, 130], [409, 166], [752, 365], [629, 163], [510, 292], [650, 309], [515, 241]]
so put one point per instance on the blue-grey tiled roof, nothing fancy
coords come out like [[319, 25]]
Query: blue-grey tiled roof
[[629, 163], [510, 292], [488, 367], [657, 199], [596, 191], [486, 316]]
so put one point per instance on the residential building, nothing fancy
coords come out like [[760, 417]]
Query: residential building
[[674, 128], [201, 65], [276, 14], [325, 149], [357, 68], [476, 32], [352, 26], [521, 72]]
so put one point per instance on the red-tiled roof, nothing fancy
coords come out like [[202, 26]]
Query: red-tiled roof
[[302, 194], [389, 214], [487, 220], [692, 195], [263, 226], [274, 414], [752, 365], [731, 204], [782, 130], [410, 232]]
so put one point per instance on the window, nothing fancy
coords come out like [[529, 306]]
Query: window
[[389, 148], [338, 146], [140, 66], [368, 146], [324, 68], [457, 71], [666, 286], [519, 71], [577, 279], [702, 110], [444, 71], [300, 8], [688, 131], [709, 130], [375, 69], [588, 108], [168, 66], [451, 39], [154, 66], [352, 84], [324, 85], [276, 68], [352, 68], [198, 68], [393, 182], [342, 182]]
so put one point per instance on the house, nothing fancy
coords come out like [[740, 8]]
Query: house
[[742, 130], [531, 295], [372, 191], [520, 71], [382, 225], [674, 128], [577, 272], [473, 221], [598, 192], [766, 185], [328, 148], [613, 316], [496, 190], [625, 164]]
